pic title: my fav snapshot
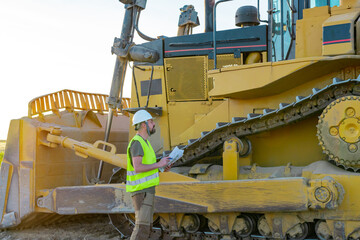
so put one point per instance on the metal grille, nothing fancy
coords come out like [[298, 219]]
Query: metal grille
[[186, 78], [224, 60]]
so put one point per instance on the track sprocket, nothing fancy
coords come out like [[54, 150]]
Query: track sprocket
[[338, 131]]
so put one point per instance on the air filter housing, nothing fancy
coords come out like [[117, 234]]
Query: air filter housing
[[246, 16]]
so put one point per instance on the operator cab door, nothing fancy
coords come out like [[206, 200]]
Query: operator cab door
[[282, 18]]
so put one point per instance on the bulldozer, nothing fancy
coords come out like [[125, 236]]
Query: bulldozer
[[268, 117]]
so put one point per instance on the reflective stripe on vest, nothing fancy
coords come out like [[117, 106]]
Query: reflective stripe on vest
[[142, 180], [138, 181], [131, 173]]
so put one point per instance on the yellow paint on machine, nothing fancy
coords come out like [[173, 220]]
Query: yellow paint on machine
[[250, 195]]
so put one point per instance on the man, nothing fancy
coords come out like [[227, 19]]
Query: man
[[143, 174]]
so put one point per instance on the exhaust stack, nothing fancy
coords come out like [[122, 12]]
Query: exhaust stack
[[209, 15]]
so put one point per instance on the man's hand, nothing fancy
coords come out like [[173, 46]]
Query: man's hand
[[168, 168], [163, 162]]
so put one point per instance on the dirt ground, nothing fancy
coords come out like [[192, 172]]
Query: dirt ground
[[96, 228]]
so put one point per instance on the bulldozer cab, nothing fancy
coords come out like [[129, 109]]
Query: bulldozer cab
[[282, 20], [320, 3], [283, 15]]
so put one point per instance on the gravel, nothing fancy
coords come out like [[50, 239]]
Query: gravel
[[79, 228]]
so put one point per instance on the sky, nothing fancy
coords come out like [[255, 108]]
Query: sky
[[50, 45]]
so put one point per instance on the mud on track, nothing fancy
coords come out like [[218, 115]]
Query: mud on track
[[78, 227]]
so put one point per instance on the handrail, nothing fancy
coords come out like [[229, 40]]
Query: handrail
[[71, 100], [214, 30]]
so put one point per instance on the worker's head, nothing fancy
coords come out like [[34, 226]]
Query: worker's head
[[143, 119]]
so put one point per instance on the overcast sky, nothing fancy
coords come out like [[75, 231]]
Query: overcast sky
[[51, 45]]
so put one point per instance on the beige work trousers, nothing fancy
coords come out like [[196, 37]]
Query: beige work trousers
[[144, 209]]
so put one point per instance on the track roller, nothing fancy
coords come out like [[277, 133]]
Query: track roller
[[263, 227], [299, 231], [213, 227], [191, 223], [322, 230], [244, 225]]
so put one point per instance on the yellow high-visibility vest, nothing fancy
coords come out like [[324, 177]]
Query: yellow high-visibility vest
[[138, 181]]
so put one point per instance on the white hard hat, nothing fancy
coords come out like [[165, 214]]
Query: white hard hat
[[141, 116]]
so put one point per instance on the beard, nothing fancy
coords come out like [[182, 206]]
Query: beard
[[152, 131]]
